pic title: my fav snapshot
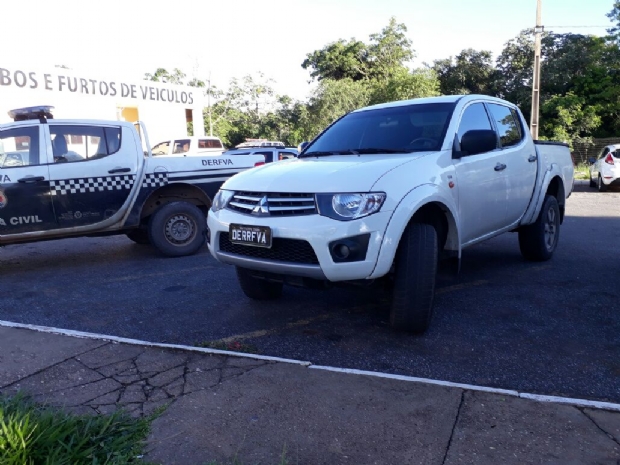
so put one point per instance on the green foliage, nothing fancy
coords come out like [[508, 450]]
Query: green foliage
[[31, 434], [567, 118], [332, 99], [614, 16], [470, 72], [403, 85], [162, 75], [339, 60], [386, 53]]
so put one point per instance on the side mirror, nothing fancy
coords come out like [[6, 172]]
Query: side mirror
[[303, 146], [478, 141], [591, 160]]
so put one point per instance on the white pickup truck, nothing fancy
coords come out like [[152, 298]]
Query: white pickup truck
[[384, 192], [64, 178]]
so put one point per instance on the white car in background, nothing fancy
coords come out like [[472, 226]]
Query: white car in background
[[605, 171]]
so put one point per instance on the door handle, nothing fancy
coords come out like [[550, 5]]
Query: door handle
[[29, 179], [119, 170], [532, 158], [500, 167]]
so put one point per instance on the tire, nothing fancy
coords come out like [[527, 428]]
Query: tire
[[539, 240], [177, 229], [592, 183], [600, 185], [413, 288], [256, 288], [139, 236]]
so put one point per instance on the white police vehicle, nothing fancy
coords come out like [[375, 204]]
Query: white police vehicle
[[64, 178]]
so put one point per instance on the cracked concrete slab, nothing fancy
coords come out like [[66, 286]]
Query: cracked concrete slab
[[609, 422], [508, 430], [26, 352], [317, 417]]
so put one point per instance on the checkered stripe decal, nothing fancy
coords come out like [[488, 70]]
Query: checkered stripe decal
[[155, 180], [84, 185]]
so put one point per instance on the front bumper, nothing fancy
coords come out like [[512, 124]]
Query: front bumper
[[301, 244]]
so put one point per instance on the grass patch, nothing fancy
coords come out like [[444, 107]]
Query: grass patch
[[35, 434], [582, 171], [234, 346]]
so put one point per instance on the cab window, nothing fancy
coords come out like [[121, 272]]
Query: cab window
[[19, 147], [209, 144], [161, 148], [474, 118], [181, 146], [82, 143], [508, 126]]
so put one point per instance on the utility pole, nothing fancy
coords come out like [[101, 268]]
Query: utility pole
[[534, 122], [209, 104]]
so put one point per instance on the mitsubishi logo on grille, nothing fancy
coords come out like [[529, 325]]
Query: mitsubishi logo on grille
[[261, 208]]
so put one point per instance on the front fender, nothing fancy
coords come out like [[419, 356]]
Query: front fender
[[402, 214]]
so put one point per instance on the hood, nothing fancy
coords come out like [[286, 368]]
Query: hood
[[336, 173]]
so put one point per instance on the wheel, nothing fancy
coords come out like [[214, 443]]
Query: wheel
[[256, 288], [177, 229], [539, 240], [139, 236], [600, 184], [413, 289], [592, 183]]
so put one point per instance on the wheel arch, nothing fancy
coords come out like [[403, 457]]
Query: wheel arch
[[424, 204], [174, 193]]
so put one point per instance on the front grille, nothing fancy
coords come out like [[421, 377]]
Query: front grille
[[277, 204], [282, 250]]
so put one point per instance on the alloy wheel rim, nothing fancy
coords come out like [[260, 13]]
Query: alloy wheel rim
[[551, 229]]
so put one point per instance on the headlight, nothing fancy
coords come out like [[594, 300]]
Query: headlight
[[345, 207], [221, 199]]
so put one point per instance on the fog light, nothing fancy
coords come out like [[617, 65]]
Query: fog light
[[342, 251]]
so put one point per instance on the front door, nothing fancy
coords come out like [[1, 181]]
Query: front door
[[93, 171], [25, 201]]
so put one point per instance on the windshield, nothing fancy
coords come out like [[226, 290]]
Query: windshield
[[402, 129]]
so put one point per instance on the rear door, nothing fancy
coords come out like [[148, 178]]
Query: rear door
[[520, 159], [25, 202], [93, 172]]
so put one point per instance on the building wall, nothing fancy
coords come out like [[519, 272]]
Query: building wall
[[162, 107]]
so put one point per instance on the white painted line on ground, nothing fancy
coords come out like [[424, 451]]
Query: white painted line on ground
[[106, 337], [470, 387], [377, 374], [595, 404]]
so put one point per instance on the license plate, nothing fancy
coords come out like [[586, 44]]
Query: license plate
[[258, 236]]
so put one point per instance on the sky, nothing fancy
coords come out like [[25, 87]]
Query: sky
[[224, 39]]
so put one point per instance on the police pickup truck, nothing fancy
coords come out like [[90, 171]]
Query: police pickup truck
[[66, 178], [384, 191]]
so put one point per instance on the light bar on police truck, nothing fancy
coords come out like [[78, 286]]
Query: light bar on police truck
[[42, 113]]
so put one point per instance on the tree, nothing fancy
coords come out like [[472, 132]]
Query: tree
[[614, 16], [386, 54], [470, 72], [403, 85], [338, 60], [162, 75], [567, 118], [389, 51], [332, 99]]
